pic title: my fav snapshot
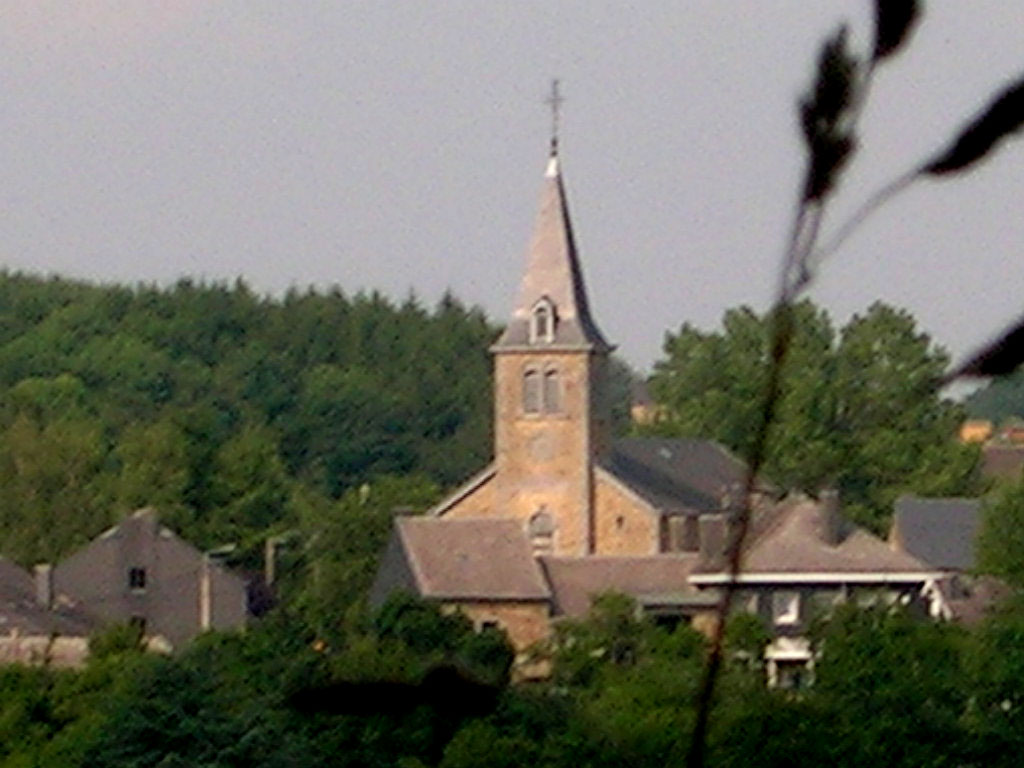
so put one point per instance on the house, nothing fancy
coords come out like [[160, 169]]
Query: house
[[35, 628], [141, 572], [564, 512], [942, 532], [802, 557]]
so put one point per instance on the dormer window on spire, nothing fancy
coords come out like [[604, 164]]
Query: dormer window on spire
[[542, 322]]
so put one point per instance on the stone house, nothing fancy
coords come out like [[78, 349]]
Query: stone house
[[141, 572]]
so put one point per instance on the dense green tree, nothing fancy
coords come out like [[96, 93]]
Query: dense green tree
[[996, 671], [891, 687], [860, 411], [337, 543], [1000, 545]]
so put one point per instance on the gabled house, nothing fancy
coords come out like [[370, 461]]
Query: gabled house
[[143, 573], [801, 558], [942, 533]]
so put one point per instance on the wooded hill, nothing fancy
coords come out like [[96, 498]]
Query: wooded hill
[[233, 413]]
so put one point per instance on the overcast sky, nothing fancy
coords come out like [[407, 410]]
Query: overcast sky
[[400, 146]]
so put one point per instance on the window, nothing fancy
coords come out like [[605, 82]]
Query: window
[[542, 391], [541, 529], [542, 322], [552, 392], [786, 607], [137, 579], [532, 394]]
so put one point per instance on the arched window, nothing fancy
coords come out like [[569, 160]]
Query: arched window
[[552, 392], [532, 394], [541, 529], [542, 322]]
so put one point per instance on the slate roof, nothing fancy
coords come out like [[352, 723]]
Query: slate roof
[[21, 613], [675, 474], [792, 542], [940, 532], [553, 271], [484, 559], [576, 580]]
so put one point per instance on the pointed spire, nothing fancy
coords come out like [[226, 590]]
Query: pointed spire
[[553, 278]]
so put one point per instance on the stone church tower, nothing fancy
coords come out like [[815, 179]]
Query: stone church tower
[[551, 420], [562, 513]]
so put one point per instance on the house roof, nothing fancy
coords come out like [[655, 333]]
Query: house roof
[[675, 474], [792, 544], [576, 580], [21, 613], [553, 272], [485, 559], [940, 532]]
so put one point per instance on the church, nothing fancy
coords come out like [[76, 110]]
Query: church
[[565, 512]]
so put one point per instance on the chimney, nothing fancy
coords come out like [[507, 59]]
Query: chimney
[[831, 517], [732, 497], [44, 585], [712, 538]]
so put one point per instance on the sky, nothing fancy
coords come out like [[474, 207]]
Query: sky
[[399, 146]]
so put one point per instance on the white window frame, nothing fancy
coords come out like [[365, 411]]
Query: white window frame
[[786, 607]]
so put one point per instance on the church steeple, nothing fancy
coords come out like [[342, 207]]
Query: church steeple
[[552, 309], [550, 398]]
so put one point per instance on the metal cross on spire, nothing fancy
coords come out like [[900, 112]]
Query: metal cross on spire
[[555, 101]]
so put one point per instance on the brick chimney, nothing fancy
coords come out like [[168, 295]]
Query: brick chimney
[[44, 585], [831, 517]]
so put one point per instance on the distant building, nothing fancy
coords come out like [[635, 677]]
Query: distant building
[[642, 408], [942, 533], [36, 628], [975, 431], [141, 572]]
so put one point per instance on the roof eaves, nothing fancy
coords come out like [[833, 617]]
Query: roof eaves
[[634, 493], [462, 491]]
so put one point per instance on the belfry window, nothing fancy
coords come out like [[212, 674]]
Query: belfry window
[[542, 322], [532, 393], [542, 391], [552, 392]]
